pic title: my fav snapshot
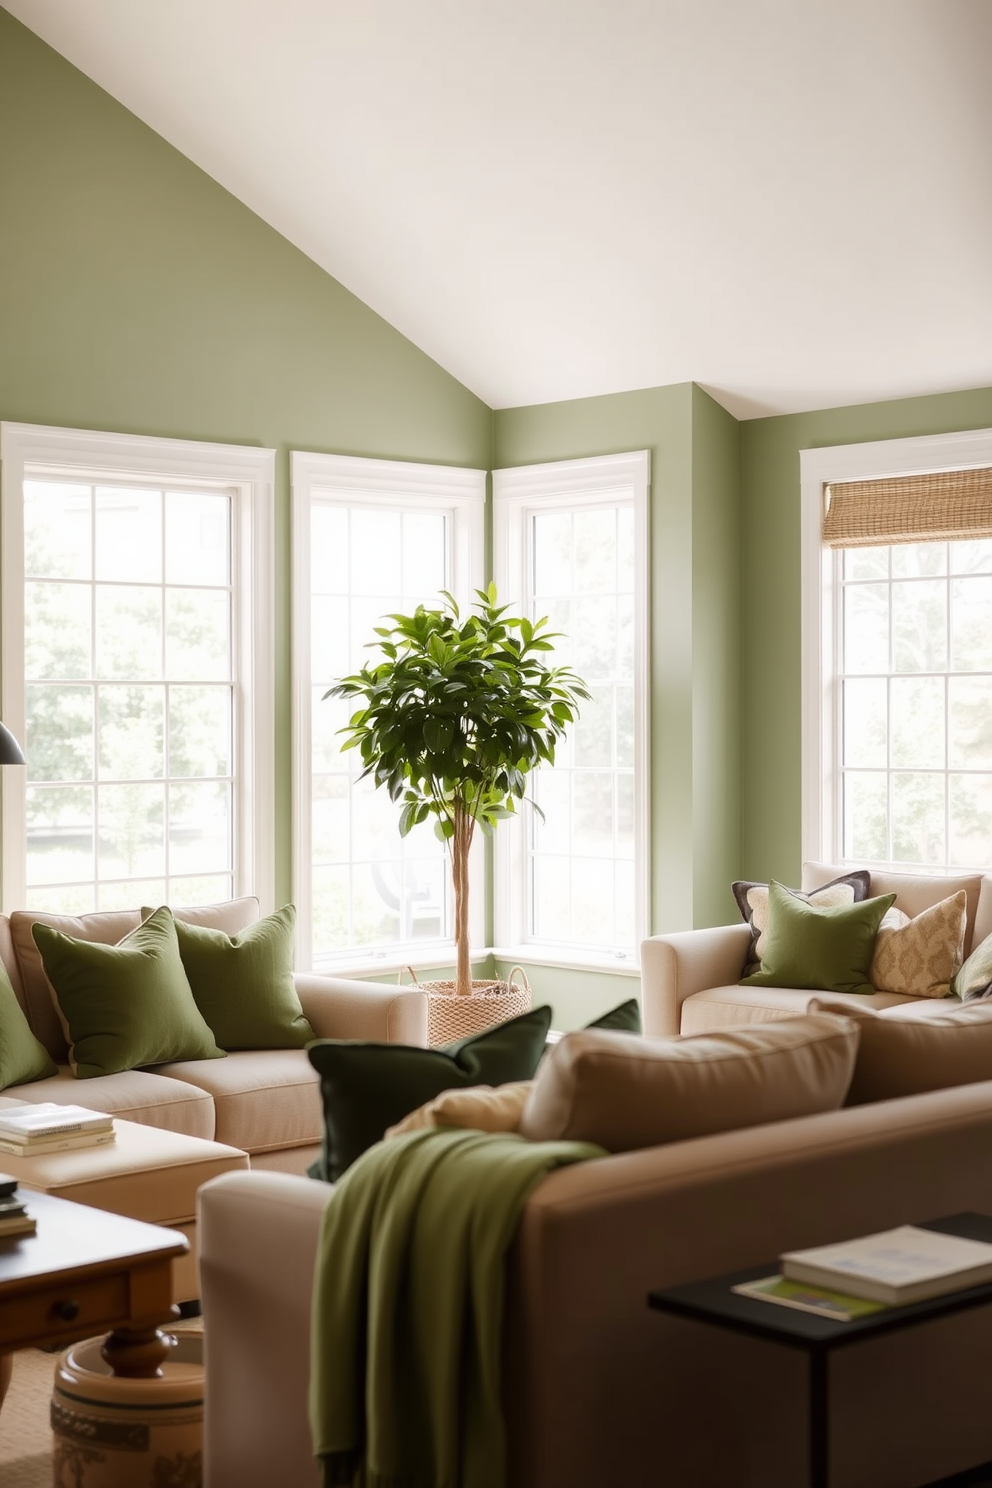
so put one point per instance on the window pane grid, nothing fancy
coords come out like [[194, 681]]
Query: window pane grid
[[915, 739], [130, 785], [372, 889], [579, 885]]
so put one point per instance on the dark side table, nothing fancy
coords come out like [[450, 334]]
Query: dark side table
[[714, 1302]]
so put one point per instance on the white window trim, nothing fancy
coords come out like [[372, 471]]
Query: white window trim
[[35, 448], [821, 829], [462, 493], [516, 493]]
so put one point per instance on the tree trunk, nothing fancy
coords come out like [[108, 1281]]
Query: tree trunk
[[460, 844]]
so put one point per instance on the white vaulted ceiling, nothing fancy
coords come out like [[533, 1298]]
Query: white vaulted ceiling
[[786, 201]]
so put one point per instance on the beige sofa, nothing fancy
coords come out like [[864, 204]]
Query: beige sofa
[[598, 1389], [265, 1102], [689, 979]]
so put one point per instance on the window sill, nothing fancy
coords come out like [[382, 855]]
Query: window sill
[[569, 959]]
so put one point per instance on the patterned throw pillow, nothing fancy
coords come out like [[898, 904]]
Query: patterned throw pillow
[[752, 901], [919, 958]]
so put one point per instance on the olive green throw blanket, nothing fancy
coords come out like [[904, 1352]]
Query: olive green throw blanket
[[408, 1308]]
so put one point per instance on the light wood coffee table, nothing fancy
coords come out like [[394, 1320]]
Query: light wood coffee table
[[84, 1272]]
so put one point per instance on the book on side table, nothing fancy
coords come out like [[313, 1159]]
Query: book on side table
[[896, 1267], [14, 1217], [47, 1127]]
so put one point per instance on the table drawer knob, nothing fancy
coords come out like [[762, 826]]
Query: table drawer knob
[[67, 1311]]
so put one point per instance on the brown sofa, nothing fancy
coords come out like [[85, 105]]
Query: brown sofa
[[689, 979], [599, 1390], [265, 1102]]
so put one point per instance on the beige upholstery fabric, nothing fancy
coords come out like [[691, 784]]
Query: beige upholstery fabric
[[230, 916], [674, 968], [480, 1107], [625, 1092], [914, 892], [338, 1007], [730, 1007], [137, 1095], [146, 1173], [263, 1098], [294, 1160], [107, 927], [911, 1049], [919, 957]]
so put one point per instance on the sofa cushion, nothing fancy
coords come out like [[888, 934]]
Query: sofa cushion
[[909, 1049], [263, 1099], [22, 1057], [243, 983], [369, 1087], [916, 892], [752, 901], [106, 927], [136, 1095], [481, 1108], [727, 1007], [829, 948], [919, 957], [126, 1005], [625, 1092], [973, 980]]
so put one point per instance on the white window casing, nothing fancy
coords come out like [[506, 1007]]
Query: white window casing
[[821, 620], [357, 484], [248, 473], [519, 495]]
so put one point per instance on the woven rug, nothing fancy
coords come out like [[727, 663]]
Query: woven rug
[[25, 1435]]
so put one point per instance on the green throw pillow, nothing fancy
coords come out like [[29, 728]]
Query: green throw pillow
[[243, 984], [22, 1057], [624, 1018], [974, 980], [367, 1087], [128, 1005], [829, 950]]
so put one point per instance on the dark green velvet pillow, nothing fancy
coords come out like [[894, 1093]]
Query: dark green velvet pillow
[[624, 1018], [243, 984], [127, 1005], [22, 1057], [368, 1087], [974, 980], [828, 950]]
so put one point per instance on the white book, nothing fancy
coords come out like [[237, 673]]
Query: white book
[[46, 1119], [56, 1143], [903, 1265]]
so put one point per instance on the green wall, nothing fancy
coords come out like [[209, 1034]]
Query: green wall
[[695, 663], [139, 296], [770, 610]]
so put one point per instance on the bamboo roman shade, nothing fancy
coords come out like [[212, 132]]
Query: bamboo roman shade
[[940, 507]]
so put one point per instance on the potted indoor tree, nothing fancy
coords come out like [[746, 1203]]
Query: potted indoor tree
[[453, 718]]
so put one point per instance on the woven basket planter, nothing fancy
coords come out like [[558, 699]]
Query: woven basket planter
[[450, 1016]]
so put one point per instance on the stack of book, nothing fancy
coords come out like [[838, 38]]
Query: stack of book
[[889, 1269], [46, 1127], [14, 1217]]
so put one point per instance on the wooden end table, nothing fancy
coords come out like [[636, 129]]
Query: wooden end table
[[715, 1303], [84, 1272]]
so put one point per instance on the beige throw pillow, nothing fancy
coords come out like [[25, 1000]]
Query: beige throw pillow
[[909, 1049], [918, 958], [626, 1092], [480, 1107]]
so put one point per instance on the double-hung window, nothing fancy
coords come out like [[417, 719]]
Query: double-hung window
[[571, 543], [137, 670], [897, 652], [370, 538]]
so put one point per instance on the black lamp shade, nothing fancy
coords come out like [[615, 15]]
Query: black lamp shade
[[10, 750]]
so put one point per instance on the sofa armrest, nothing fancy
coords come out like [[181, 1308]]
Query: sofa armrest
[[338, 1008], [258, 1242], [673, 967]]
